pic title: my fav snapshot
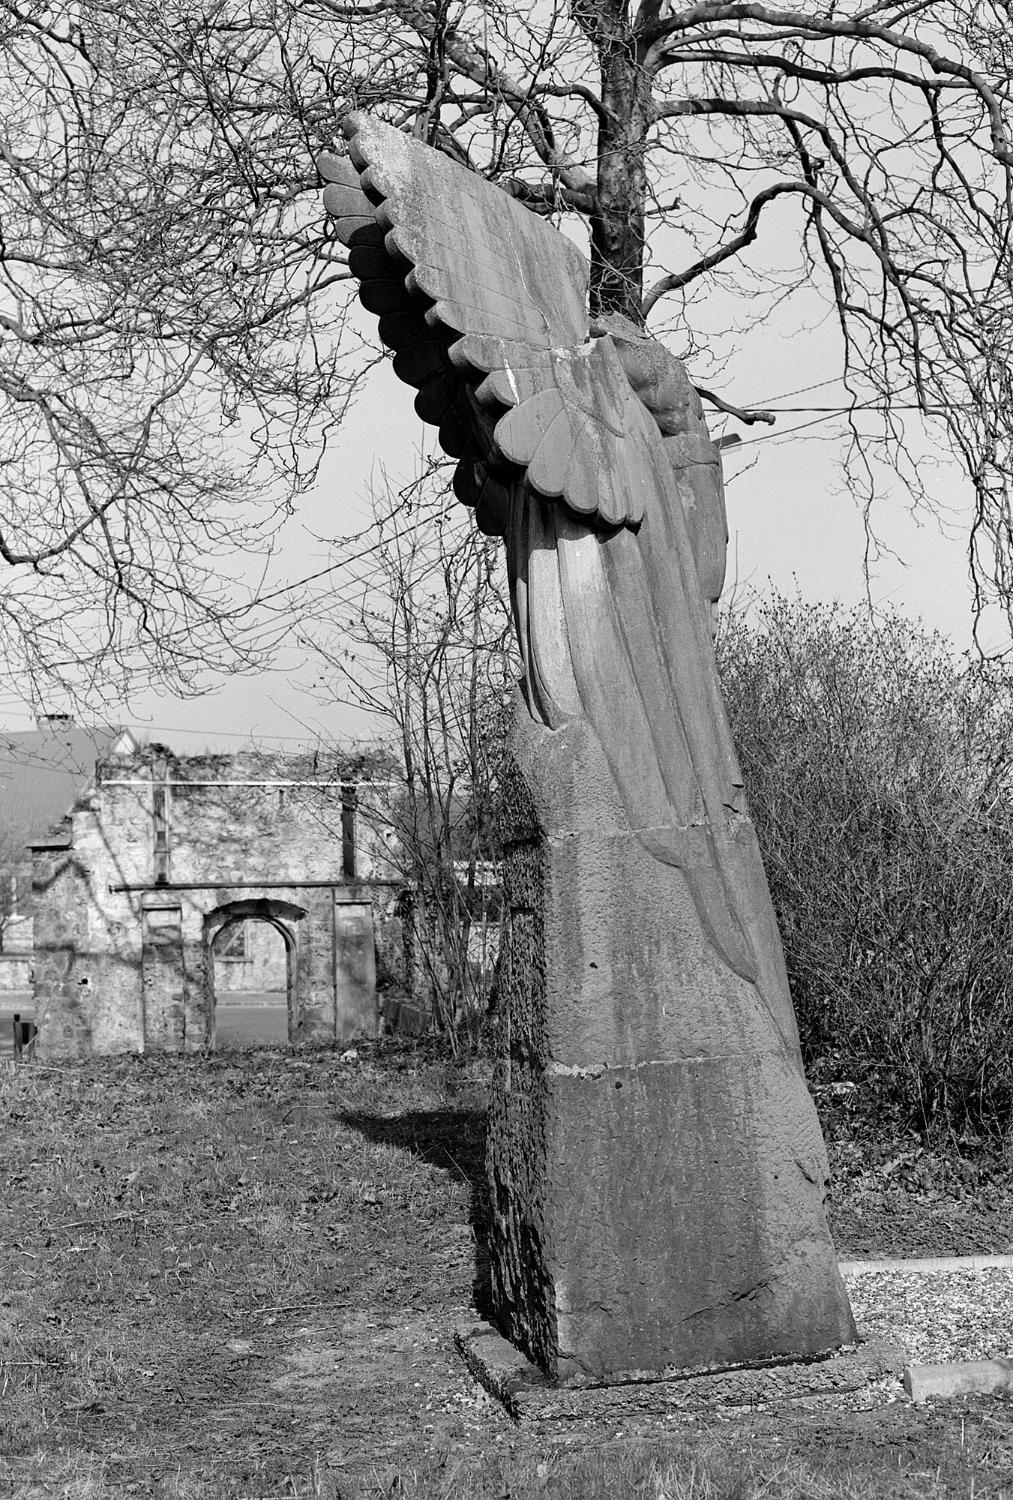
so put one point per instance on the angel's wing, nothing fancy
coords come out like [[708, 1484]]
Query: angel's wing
[[484, 305]]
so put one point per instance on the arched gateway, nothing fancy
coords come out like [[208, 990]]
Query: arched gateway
[[169, 854], [273, 1019]]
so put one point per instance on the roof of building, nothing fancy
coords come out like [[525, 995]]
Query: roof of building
[[43, 771]]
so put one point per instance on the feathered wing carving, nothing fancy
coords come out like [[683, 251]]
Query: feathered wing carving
[[484, 306]]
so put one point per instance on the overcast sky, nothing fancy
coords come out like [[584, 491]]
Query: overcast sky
[[791, 524]]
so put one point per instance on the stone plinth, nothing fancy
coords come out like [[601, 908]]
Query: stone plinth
[[657, 1171], [534, 1401]]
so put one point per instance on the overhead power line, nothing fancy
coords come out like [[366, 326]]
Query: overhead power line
[[878, 406], [399, 533]]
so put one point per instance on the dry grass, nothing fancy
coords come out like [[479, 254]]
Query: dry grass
[[238, 1276]]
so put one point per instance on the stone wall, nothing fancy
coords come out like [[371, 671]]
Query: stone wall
[[15, 972], [166, 852], [255, 960]]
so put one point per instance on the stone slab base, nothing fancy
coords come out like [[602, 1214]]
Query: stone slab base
[[927, 1265], [961, 1378], [530, 1397]]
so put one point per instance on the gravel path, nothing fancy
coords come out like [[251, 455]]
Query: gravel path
[[937, 1316]]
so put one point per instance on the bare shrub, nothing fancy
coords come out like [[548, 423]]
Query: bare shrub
[[878, 768]]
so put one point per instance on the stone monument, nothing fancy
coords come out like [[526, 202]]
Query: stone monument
[[656, 1168]]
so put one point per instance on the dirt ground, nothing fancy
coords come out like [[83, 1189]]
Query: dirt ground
[[240, 1275]]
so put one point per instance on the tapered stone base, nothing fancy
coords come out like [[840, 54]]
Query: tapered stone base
[[657, 1171], [532, 1400]]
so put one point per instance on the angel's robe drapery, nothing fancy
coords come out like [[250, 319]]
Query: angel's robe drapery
[[612, 629]]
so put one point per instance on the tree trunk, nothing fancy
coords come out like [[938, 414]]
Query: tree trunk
[[617, 224]]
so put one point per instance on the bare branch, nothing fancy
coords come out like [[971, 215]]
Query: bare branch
[[748, 417], [809, 25]]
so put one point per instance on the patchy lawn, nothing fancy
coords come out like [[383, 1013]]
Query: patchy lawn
[[239, 1276]]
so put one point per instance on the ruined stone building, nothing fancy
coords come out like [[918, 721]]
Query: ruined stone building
[[42, 772], [165, 885]]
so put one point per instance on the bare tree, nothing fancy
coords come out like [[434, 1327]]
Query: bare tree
[[174, 335], [867, 144], [424, 644], [162, 394]]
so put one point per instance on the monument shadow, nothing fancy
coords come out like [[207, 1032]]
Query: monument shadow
[[453, 1140]]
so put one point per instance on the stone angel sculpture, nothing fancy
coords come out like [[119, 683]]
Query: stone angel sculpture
[[573, 443], [583, 445]]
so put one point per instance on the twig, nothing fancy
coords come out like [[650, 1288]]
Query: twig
[[80, 1223], [37, 1067], [298, 1307], [455, 1163]]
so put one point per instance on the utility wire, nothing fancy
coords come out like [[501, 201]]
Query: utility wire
[[804, 390], [399, 533], [831, 411], [238, 734], [782, 436], [877, 406], [345, 562]]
